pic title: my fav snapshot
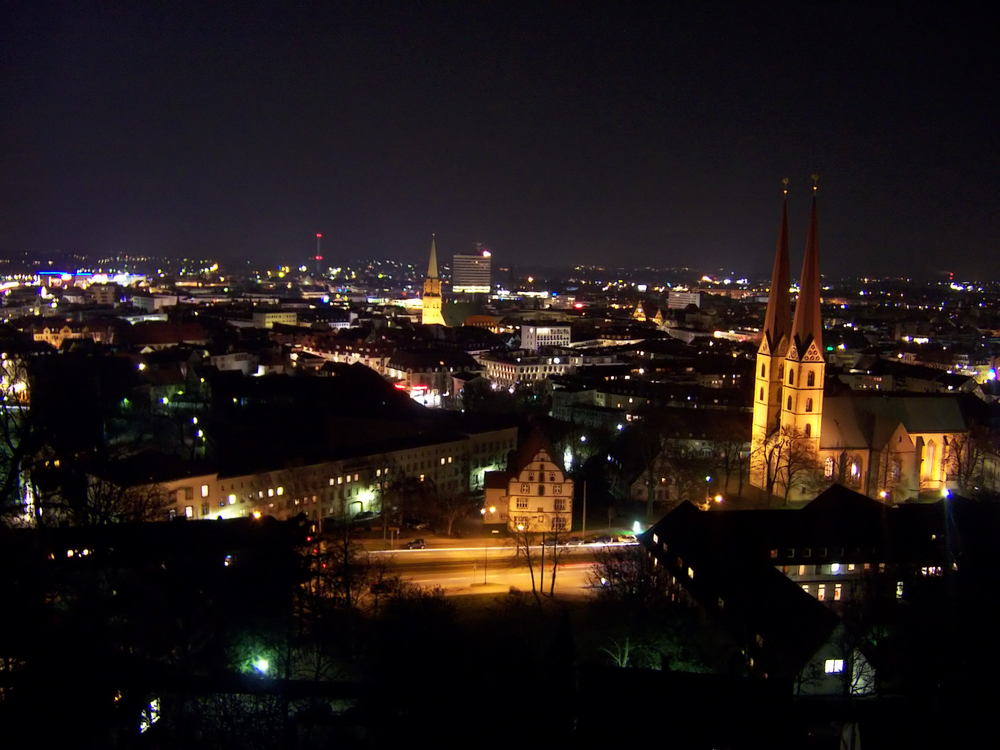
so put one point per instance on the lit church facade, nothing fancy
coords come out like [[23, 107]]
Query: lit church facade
[[887, 448]]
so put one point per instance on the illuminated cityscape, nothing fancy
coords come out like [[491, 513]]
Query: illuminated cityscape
[[265, 486]]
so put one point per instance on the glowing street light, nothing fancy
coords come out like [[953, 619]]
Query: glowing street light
[[261, 665]]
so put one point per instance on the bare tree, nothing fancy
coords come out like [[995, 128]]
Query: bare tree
[[522, 532], [800, 464], [448, 506], [967, 457], [731, 455], [766, 454], [20, 442], [106, 501]]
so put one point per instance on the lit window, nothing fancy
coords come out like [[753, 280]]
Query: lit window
[[204, 490], [189, 511], [805, 587], [281, 490], [828, 468], [834, 666], [232, 499], [270, 491], [340, 480], [691, 573], [348, 478], [850, 567], [899, 589], [331, 481], [421, 477], [838, 591], [821, 592], [442, 462], [378, 472], [835, 568]]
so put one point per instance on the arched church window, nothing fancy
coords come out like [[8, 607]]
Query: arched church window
[[761, 394], [791, 377], [809, 405], [789, 403], [809, 429], [763, 370], [811, 379]]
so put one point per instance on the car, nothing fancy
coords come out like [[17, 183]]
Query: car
[[364, 515], [554, 542], [604, 540], [415, 544], [574, 541], [386, 586]]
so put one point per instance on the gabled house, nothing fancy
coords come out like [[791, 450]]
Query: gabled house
[[533, 494]]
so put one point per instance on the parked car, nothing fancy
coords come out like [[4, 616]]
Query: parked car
[[415, 544], [364, 515], [604, 540], [383, 587], [574, 541]]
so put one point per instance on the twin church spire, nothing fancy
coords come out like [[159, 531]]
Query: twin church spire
[[788, 388]]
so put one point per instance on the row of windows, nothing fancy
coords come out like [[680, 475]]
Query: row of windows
[[810, 376], [521, 503], [821, 591]]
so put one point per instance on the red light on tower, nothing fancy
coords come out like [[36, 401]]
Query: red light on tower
[[318, 235]]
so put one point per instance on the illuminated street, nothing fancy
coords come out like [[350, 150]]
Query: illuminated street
[[465, 570]]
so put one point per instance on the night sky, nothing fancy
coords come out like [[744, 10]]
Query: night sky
[[614, 133]]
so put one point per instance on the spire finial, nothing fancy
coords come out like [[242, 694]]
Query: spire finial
[[784, 184], [815, 179]]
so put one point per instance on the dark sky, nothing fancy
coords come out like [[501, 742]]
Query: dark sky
[[615, 133]]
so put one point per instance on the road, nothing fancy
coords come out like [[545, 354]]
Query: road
[[492, 569]]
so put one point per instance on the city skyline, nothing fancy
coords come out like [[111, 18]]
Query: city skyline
[[563, 134]]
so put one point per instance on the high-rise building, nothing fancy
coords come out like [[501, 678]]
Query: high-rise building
[[470, 274], [431, 302]]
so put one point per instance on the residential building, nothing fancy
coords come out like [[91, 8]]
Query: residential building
[[779, 580], [535, 337], [270, 318], [533, 494]]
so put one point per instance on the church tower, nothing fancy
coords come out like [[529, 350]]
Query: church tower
[[431, 302], [771, 353], [802, 407]]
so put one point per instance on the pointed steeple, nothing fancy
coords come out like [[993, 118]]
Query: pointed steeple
[[432, 267], [778, 318], [808, 325]]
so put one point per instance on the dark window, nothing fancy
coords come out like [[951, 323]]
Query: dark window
[[789, 403], [811, 379]]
